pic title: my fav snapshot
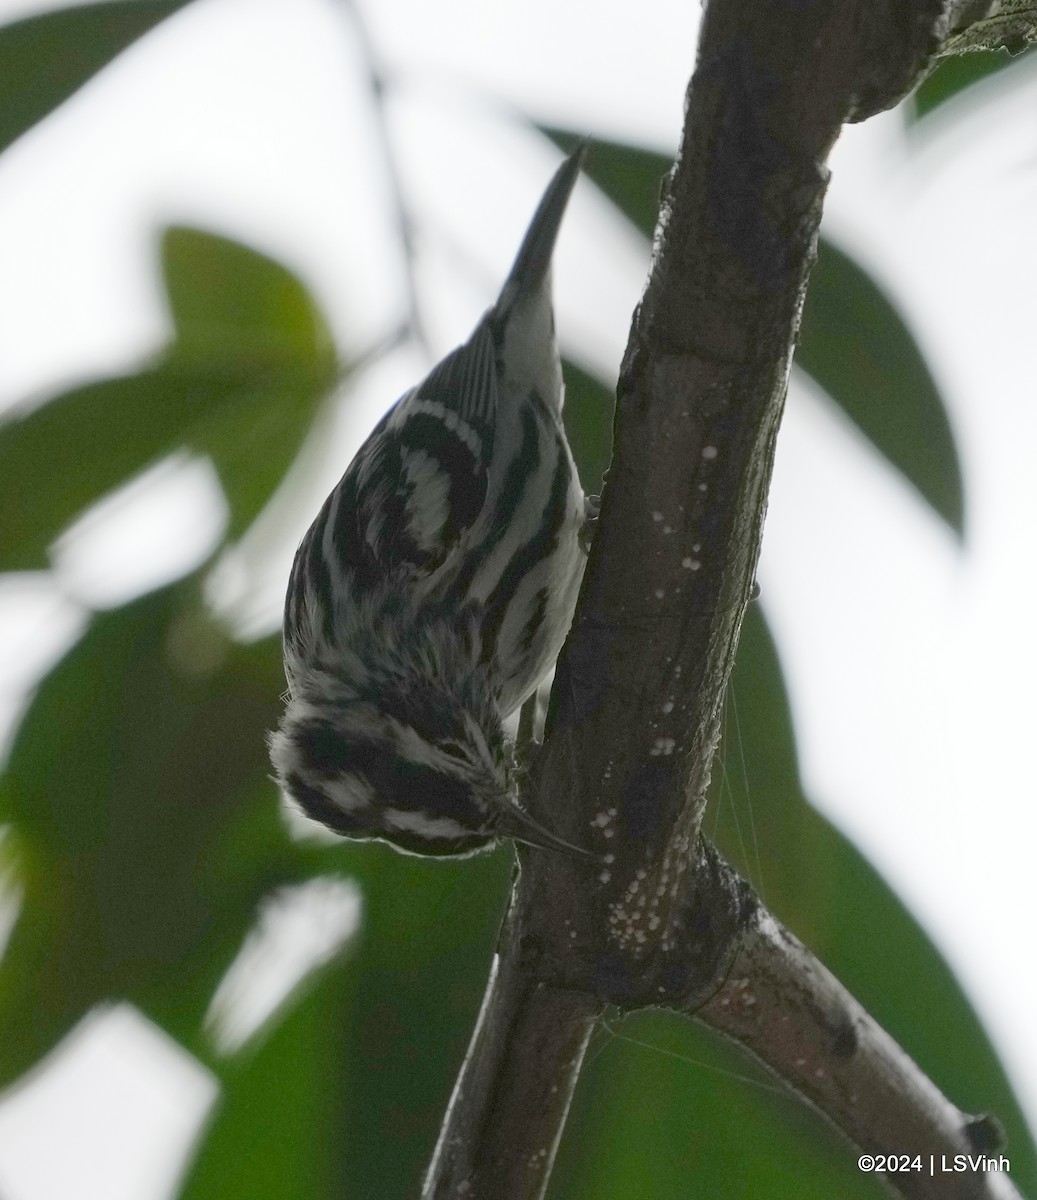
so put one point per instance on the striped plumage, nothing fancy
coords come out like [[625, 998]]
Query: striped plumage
[[434, 589]]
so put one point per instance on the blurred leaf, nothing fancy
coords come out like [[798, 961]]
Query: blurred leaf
[[232, 304], [345, 1097], [429, 933], [664, 1110], [45, 59], [254, 437], [648, 1118], [250, 361], [279, 1129], [589, 406], [953, 75], [855, 344], [853, 341], [145, 828]]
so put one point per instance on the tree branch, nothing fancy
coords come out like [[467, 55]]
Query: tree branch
[[511, 1099], [779, 1003], [980, 25], [634, 717], [376, 83]]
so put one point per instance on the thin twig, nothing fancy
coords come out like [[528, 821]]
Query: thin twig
[[514, 1090], [401, 213]]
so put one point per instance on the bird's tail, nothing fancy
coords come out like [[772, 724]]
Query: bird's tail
[[533, 261]]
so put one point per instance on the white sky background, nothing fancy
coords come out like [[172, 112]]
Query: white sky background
[[911, 665]]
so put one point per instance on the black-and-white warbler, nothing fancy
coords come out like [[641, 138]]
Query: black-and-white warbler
[[435, 588]]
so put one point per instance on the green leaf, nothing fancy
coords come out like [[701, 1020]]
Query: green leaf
[[279, 1128], [345, 1096], [853, 341], [47, 58], [953, 75], [647, 1118], [235, 307], [250, 362], [664, 1109], [589, 405], [145, 828], [856, 346], [230, 303], [254, 435]]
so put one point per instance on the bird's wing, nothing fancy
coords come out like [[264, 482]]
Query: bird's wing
[[420, 481]]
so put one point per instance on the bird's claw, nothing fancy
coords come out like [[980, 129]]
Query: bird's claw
[[591, 512]]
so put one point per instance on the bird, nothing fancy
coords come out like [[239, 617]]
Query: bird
[[433, 591]]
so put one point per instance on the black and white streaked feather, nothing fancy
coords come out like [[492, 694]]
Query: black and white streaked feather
[[435, 588]]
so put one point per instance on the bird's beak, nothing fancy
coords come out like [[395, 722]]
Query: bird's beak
[[518, 824]]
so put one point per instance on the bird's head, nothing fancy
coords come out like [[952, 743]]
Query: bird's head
[[403, 742], [412, 763]]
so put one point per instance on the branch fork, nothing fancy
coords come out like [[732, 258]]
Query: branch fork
[[634, 719]]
